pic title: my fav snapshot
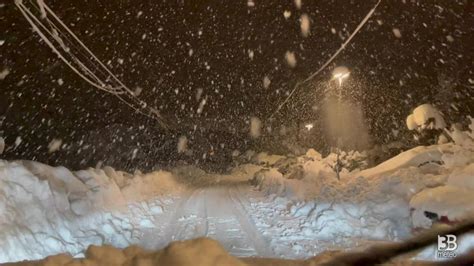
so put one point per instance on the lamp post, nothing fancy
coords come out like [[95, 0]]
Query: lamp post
[[339, 74]]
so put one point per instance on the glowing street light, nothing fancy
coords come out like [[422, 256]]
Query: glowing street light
[[340, 73]]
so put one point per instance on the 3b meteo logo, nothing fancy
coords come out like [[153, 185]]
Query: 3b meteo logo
[[446, 246]]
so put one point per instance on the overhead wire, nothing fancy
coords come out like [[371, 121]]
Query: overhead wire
[[55, 33], [343, 46]]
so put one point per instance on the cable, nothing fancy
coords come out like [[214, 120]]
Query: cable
[[343, 46], [53, 32]]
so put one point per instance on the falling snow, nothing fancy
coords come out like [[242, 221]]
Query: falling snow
[[305, 25], [290, 58], [278, 129], [397, 33]]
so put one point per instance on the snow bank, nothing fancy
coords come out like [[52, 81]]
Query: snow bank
[[48, 210], [462, 178], [452, 202], [415, 157], [382, 203]]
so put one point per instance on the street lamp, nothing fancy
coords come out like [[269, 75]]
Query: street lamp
[[340, 73]]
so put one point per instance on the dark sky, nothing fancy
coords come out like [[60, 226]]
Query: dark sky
[[174, 49]]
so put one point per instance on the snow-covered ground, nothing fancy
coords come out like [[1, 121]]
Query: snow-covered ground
[[384, 203], [272, 206]]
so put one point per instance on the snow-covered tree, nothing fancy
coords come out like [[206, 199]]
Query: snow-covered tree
[[428, 123], [425, 116]]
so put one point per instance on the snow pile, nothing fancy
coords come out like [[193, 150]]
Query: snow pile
[[463, 178], [405, 174], [449, 203], [48, 210], [415, 157], [453, 201], [382, 203]]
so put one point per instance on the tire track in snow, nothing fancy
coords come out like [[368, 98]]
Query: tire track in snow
[[261, 245], [181, 218], [194, 223], [225, 224], [217, 212], [189, 219]]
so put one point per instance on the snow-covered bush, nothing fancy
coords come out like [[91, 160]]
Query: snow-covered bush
[[353, 160], [428, 123], [461, 137], [347, 161], [425, 116]]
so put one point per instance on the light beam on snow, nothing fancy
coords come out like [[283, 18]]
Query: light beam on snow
[[343, 46], [69, 48]]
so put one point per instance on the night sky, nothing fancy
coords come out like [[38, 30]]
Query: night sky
[[181, 52]]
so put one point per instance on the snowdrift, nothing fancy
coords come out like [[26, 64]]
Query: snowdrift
[[48, 210]]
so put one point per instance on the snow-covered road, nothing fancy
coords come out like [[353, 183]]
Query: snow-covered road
[[111, 207], [49, 210], [219, 212], [248, 222]]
